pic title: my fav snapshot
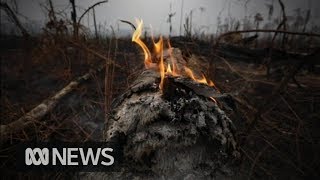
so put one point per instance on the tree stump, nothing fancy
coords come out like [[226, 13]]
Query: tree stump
[[176, 133]]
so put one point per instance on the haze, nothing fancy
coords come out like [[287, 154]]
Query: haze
[[155, 12]]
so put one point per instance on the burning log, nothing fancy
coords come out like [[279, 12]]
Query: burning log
[[170, 123], [177, 131]]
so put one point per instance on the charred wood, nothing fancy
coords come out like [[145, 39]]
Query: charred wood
[[173, 133]]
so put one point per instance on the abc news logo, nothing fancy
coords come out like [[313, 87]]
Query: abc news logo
[[66, 156]]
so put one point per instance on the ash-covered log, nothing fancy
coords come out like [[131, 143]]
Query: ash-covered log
[[179, 132]]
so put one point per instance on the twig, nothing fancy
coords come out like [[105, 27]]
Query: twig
[[84, 47], [255, 160], [108, 61], [87, 10], [277, 90], [231, 68], [282, 23], [128, 22], [285, 157], [251, 158]]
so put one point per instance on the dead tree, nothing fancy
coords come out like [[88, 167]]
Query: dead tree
[[52, 15], [283, 24], [169, 20], [74, 19], [178, 132], [94, 15]]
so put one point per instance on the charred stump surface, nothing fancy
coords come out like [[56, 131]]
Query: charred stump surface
[[176, 133]]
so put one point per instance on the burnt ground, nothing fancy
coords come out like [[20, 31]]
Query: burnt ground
[[283, 144]]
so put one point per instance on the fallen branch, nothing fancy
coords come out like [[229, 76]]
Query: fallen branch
[[256, 55], [270, 50], [264, 31], [43, 108]]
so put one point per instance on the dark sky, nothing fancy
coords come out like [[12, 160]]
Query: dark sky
[[155, 12]]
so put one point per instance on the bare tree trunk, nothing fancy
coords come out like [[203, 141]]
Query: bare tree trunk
[[306, 20], [95, 23], [283, 24], [284, 19], [74, 19], [52, 12], [181, 17]]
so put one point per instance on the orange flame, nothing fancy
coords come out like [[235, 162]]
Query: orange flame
[[159, 45], [171, 69], [189, 72], [203, 79], [173, 61], [136, 38]]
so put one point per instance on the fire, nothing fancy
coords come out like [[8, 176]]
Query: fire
[[174, 67], [189, 72], [169, 71], [203, 79], [136, 38], [171, 67], [159, 45]]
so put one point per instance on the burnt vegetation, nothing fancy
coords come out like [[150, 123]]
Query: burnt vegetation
[[60, 85]]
